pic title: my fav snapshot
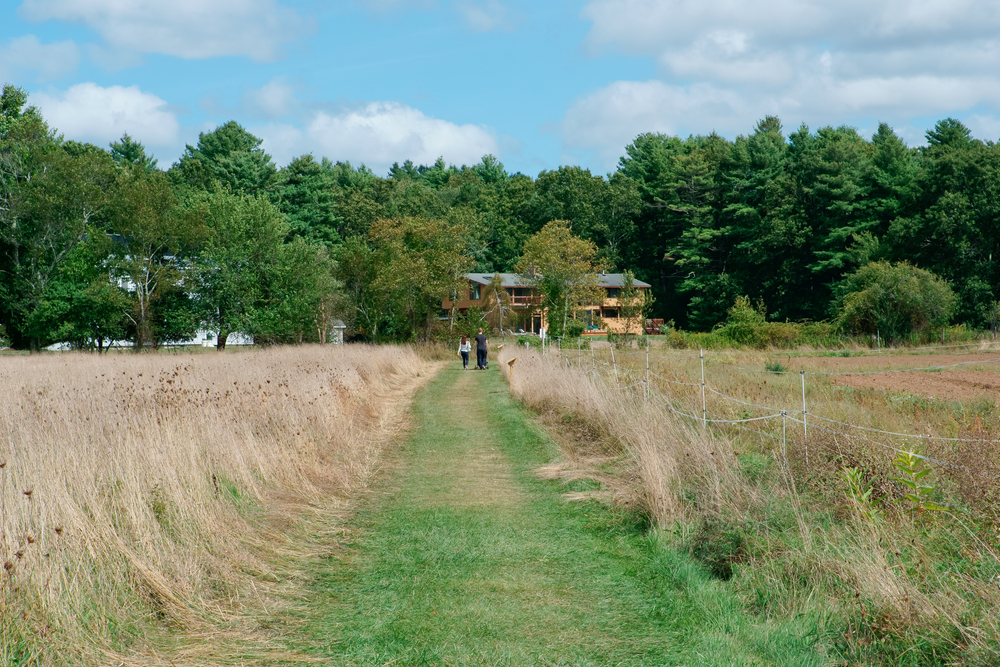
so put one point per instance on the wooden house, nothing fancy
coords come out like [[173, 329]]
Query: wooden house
[[523, 307]]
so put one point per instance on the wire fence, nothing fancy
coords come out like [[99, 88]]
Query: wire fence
[[799, 417]]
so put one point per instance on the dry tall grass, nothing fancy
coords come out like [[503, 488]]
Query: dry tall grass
[[787, 529], [153, 491]]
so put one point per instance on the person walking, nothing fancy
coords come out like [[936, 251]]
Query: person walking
[[463, 351], [482, 346]]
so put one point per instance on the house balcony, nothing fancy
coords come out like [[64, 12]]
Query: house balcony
[[525, 301]]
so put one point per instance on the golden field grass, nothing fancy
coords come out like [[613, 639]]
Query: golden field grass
[[884, 583], [152, 507]]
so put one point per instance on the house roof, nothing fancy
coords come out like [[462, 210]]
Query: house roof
[[618, 280], [508, 279], [517, 280]]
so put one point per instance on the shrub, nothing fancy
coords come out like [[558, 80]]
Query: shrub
[[574, 329], [893, 299], [746, 324]]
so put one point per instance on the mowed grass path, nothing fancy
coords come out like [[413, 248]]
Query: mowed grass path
[[465, 557]]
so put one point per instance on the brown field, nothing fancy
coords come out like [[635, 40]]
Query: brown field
[[952, 385], [980, 379], [147, 498]]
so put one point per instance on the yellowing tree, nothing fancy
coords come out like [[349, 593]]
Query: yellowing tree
[[564, 268], [416, 262]]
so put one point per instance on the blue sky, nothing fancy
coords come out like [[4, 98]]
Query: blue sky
[[537, 84]]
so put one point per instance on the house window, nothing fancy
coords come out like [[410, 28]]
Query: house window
[[612, 292], [522, 291], [609, 313], [474, 291]]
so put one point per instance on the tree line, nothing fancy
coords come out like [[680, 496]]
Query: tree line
[[100, 244]]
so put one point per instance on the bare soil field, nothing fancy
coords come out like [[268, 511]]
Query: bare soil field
[[952, 385], [974, 381]]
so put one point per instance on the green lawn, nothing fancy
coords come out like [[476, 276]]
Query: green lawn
[[465, 557]]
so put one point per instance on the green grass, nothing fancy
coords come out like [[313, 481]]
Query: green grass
[[465, 557]]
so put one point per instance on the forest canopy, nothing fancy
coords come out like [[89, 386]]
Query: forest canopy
[[103, 244]]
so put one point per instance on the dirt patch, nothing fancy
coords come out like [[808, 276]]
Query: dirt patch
[[952, 385], [977, 377], [989, 359]]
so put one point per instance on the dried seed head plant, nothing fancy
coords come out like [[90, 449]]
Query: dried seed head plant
[[145, 483], [781, 521]]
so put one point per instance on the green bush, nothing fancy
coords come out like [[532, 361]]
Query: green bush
[[895, 300], [574, 329], [746, 324]]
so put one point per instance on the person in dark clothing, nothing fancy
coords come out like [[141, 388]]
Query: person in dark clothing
[[482, 345]]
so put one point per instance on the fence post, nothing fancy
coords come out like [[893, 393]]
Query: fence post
[[647, 369], [805, 425], [593, 358], [878, 340], [704, 406], [617, 381], [579, 353], [784, 457]]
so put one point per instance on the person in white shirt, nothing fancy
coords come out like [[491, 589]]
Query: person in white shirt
[[463, 350]]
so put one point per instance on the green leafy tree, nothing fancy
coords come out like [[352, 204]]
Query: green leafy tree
[[357, 270], [82, 305], [127, 151], [304, 296], [228, 156], [306, 193], [893, 299], [396, 276], [599, 210], [503, 205], [48, 197], [242, 244], [954, 227], [693, 199], [418, 261], [153, 258], [564, 268], [499, 305]]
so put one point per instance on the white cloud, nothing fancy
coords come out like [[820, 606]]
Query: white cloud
[[386, 8], [384, 132], [724, 64], [273, 100], [88, 112], [256, 29], [480, 15], [26, 53], [612, 117], [485, 15], [378, 134], [984, 126]]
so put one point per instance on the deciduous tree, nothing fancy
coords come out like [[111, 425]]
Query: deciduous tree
[[564, 268]]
